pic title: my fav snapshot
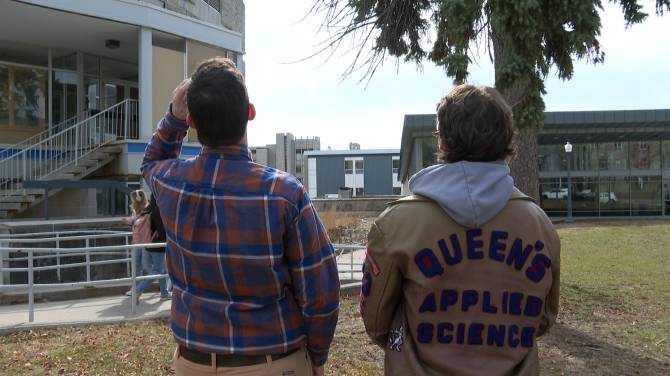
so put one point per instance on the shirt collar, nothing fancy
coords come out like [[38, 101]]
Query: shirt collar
[[227, 152]]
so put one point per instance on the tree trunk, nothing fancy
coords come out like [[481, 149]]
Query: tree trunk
[[525, 165]]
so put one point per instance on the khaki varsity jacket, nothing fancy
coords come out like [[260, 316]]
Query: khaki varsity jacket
[[443, 299]]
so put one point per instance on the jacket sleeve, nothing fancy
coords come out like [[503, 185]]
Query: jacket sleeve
[[315, 280], [552, 299], [381, 289]]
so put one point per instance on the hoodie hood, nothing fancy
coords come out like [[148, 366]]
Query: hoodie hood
[[471, 193]]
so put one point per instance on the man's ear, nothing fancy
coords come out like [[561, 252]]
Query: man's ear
[[441, 145], [252, 111], [189, 121]]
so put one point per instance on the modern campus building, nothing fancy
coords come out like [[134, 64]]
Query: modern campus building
[[355, 173], [287, 154], [83, 84], [620, 161]]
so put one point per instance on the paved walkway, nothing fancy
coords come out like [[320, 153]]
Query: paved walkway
[[107, 309]]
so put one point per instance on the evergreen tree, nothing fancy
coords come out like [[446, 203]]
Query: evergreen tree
[[524, 39]]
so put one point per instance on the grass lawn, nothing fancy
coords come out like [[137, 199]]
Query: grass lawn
[[615, 319]]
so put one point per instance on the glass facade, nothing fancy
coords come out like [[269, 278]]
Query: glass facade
[[23, 96], [621, 178]]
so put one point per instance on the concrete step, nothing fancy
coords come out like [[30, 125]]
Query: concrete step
[[19, 198], [9, 206], [23, 192]]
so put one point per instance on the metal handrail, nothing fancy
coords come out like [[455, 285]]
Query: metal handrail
[[52, 155], [127, 253]]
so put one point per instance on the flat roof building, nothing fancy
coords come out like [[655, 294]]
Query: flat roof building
[[620, 161], [354, 173]]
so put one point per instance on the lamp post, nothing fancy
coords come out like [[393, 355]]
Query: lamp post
[[568, 150]]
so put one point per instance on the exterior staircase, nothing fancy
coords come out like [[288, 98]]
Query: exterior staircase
[[72, 153]]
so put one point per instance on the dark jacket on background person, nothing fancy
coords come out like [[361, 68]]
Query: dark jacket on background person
[[157, 228], [461, 277]]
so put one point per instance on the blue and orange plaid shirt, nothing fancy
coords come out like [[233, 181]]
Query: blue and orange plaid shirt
[[253, 270]]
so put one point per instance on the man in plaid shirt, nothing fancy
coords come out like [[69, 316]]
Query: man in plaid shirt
[[256, 289]]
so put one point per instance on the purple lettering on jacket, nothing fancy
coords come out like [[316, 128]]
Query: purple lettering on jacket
[[486, 303], [449, 298], [428, 263], [512, 335], [475, 334], [538, 267], [515, 299], [539, 246], [469, 298], [443, 330], [474, 244], [505, 297], [527, 336], [533, 306], [429, 304], [448, 257], [495, 335], [424, 332], [495, 245], [460, 334], [518, 255]]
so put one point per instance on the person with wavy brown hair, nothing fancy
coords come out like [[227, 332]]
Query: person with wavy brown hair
[[463, 275]]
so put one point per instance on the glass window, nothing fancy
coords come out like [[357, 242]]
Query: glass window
[[396, 191], [584, 157], [4, 95], [348, 166], [118, 69], [645, 195], [666, 154], [17, 52], [645, 155], [613, 156], [614, 196], [359, 192], [359, 166], [64, 91], [92, 65], [64, 60], [396, 165], [28, 97], [551, 157], [428, 151]]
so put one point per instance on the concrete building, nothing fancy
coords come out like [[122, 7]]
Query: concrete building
[[287, 154], [620, 162], [83, 84], [359, 172]]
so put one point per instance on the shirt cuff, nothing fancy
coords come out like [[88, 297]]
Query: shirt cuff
[[173, 121]]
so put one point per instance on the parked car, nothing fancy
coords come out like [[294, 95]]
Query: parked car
[[556, 194], [607, 197]]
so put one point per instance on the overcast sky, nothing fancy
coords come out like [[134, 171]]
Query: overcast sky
[[309, 99]]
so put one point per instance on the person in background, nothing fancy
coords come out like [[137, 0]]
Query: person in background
[[153, 259], [463, 275], [139, 207], [255, 282]]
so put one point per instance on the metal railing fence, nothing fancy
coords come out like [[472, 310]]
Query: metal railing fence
[[349, 264], [51, 155]]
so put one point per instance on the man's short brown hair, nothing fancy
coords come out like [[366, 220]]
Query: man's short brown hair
[[218, 102], [475, 124]]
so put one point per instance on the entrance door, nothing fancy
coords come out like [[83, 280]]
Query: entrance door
[[64, 91]]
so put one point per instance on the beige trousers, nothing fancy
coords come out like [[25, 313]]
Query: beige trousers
[[296, 364]]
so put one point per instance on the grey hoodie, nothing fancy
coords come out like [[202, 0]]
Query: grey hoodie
[[472, 193]]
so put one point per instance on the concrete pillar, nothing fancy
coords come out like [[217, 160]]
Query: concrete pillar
[[145, 53]]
